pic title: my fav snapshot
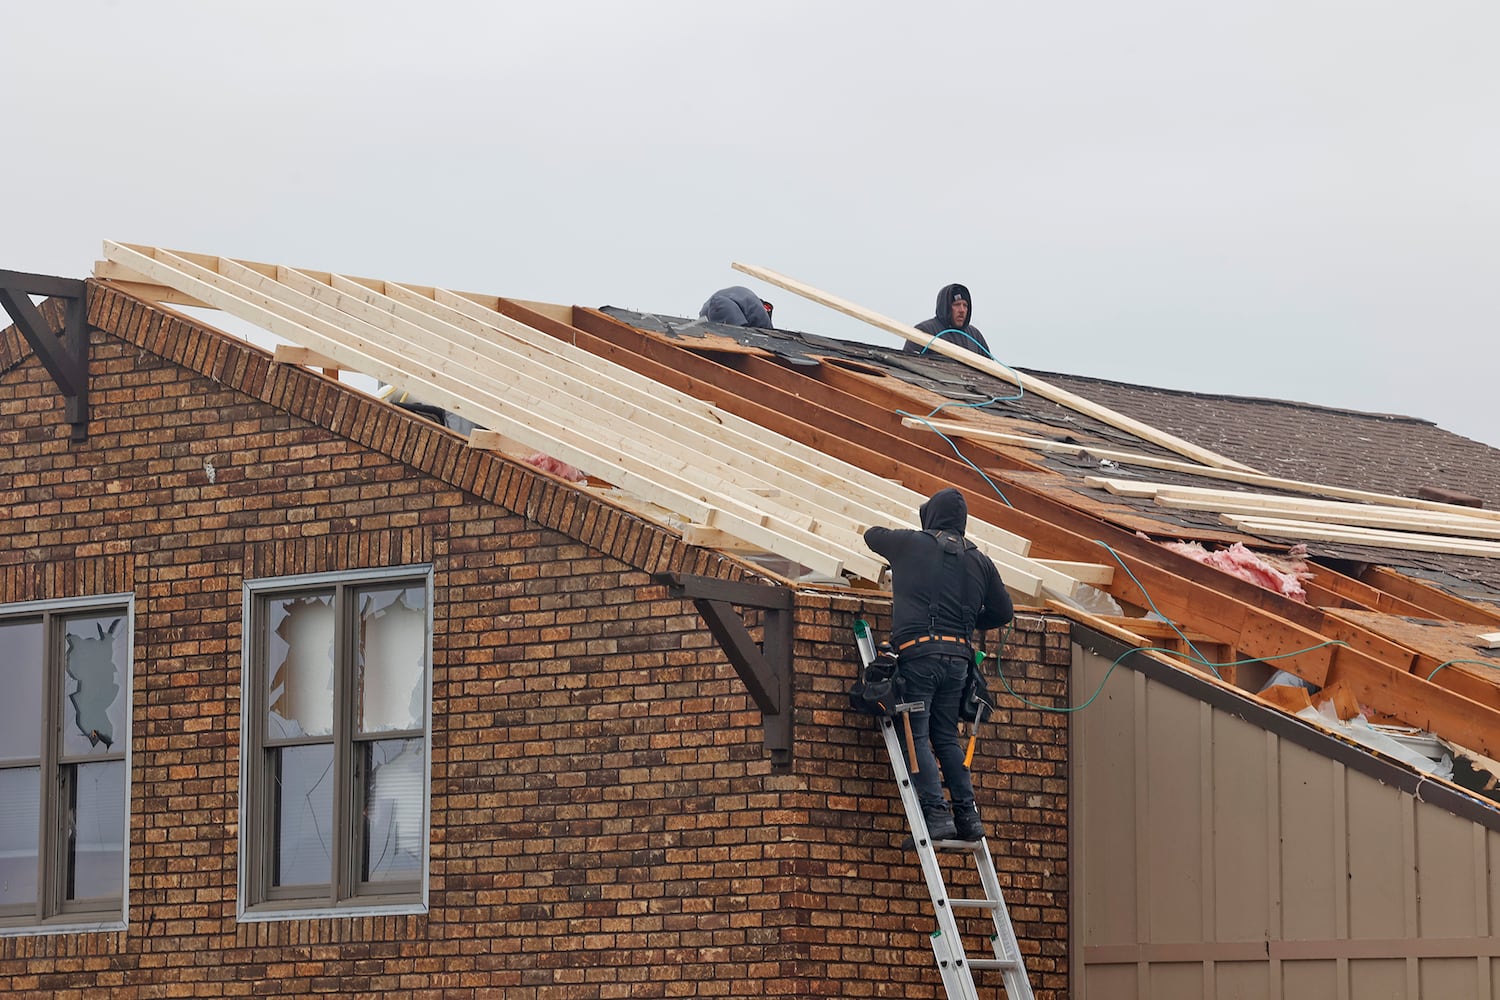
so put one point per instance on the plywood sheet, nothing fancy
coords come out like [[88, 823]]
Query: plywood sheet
[[1442, 640]]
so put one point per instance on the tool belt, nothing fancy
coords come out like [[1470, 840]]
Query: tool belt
[[954, 639]]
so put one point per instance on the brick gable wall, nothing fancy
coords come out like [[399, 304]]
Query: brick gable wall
[[604, 818]]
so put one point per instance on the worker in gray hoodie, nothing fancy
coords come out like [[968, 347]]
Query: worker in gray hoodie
[[739, 306], [955, 308]]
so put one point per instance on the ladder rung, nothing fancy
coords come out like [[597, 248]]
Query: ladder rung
[[976, 904], [992, 963]]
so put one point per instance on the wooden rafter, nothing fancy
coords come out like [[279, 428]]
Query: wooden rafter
[[458, 381], [726, 477]]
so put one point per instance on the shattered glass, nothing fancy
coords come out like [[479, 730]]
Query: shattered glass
[[392, 659], [299, 647], [303, 807], [394, 771], [95, 651]]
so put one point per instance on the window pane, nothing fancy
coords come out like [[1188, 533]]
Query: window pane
[[21, 681], [20, 826], [302, 803], [392, 658], [299, 655], [394, 781], [96, 846], [94, 697]]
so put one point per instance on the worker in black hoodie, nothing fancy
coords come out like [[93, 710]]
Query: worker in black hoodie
[[943, 588], [955, 307]]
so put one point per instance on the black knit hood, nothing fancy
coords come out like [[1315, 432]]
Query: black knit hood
[[945, 298], [946, 510]]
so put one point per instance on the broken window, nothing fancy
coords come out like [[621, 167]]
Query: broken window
[[337, 685], [64, 728]]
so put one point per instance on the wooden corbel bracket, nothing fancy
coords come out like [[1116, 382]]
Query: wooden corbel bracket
[[765, 669], [65, 355]]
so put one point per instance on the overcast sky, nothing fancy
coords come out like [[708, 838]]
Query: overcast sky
[[1297, 199]]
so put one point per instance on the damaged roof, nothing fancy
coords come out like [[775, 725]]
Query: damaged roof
[[776, 448]]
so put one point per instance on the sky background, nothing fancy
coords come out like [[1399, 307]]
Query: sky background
[[1296, 199]]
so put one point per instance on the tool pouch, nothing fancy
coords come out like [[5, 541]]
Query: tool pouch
[[878, 689], [976, 704]]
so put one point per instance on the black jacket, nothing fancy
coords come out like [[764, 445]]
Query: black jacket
[[942, 323], [737, 305], [941, 583]]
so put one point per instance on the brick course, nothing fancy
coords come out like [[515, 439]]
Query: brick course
[[605, 822]]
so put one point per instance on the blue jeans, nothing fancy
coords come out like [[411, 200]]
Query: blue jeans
[[937, 680]]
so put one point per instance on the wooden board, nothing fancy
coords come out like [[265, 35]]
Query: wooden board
[[1406, 541], [1133, 487], [1440, 642], [1027, 383]]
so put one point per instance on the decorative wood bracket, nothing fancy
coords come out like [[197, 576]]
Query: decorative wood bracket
[[65, 356], [766, 670]]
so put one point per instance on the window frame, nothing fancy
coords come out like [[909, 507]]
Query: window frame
[[345, 895], [53, 913]]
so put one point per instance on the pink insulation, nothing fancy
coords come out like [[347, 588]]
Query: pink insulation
[[558, 468], [1284, 576]]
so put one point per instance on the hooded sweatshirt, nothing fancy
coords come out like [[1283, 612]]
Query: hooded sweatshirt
[[736, 305], [941, 583], [942, 323]]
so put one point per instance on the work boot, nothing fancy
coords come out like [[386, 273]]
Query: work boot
[[966, 821], [939, 827], [939, 823]]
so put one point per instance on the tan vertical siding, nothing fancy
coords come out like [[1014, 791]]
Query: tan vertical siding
[[1220, 858]]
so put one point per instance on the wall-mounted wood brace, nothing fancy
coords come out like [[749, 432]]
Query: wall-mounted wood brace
[[65, 355], [766, 669]]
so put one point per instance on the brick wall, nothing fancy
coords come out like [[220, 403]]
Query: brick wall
[[604, 819]]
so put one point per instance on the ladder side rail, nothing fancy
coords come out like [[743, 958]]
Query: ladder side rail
[[948, 940], [1006, 947]]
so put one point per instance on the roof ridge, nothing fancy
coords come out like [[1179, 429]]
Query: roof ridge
[[1196, 394]]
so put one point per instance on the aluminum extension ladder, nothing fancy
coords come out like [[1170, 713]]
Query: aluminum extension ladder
[[956, 968], [954, 964]]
